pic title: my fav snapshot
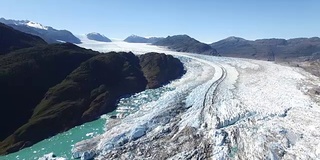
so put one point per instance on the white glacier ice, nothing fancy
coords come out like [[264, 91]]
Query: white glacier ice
[[222, 108], [51, 156]]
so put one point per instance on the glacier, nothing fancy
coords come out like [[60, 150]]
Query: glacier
[[222, 108]]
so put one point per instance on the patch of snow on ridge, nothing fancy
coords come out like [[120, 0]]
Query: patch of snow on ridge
[[24, 23], [36, 25]]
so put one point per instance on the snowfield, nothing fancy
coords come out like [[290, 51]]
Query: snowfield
[[222, 108]]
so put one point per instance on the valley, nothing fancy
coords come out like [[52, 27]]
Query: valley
[[222, 108], [156, 98]]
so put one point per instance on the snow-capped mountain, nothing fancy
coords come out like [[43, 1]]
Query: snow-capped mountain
[[24, 23], [49, 34], [12, 40], [97, 37]]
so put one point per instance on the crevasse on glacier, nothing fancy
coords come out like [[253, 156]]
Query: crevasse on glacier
[[222, 108]]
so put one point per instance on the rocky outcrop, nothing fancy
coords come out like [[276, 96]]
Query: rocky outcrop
[[89, 91], [184, 43], [12, 39], [27, 74], [98, 37], [159, 69]]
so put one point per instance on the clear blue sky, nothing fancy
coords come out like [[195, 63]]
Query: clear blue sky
[[205, 20]]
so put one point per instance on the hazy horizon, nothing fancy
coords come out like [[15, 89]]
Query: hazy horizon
[[206, 21]]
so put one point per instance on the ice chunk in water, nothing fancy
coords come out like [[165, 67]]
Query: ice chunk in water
[[51, 156]]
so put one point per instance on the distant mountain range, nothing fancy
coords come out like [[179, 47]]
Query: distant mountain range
[[49, 34], [272, 49], [98, 37], [184, 43], [139, 39], [269, 49], [265, 49]]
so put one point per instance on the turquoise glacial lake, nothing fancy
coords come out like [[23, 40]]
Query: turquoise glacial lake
[[61, 144]]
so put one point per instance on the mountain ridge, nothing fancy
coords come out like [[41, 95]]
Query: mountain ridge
[[139, 39], [98, 37], [12, 39], [271, 49], [49, 34], [184, 43]]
